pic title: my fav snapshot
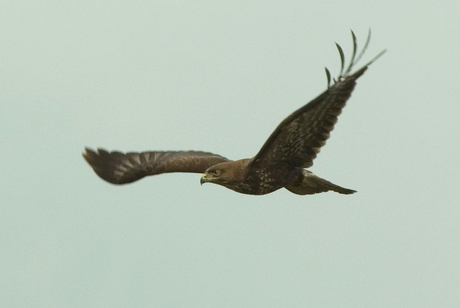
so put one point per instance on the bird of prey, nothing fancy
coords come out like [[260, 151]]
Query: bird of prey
[[281, 162]]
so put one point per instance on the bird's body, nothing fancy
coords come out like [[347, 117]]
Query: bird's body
[[281, 161]]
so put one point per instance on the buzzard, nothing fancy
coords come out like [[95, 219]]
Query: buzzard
[[281, 161]]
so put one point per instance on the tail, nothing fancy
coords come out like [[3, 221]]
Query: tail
[[311, 184]]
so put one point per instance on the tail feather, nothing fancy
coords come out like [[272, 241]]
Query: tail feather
[[312, 184]]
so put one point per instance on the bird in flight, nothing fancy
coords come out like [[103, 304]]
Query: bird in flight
[[281, 162]]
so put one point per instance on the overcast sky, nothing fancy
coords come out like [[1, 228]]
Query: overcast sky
[[220, 76]]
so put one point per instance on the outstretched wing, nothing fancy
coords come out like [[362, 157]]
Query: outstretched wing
[[120, 168], [298, 139]]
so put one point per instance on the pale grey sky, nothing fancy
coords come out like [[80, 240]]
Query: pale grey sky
[[220, 76]]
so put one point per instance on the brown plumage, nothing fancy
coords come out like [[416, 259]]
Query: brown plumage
[[280, 162]]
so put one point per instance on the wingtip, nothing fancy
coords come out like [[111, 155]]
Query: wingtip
[[346, 73], [85, 153], [359, 72], [88, 153]]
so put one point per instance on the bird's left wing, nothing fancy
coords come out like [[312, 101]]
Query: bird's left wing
[[298, 139], [121, 168]]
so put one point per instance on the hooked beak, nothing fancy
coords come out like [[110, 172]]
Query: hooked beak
[[203, 179]]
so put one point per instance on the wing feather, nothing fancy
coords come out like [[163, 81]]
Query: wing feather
[[122, 168], [298, 139]]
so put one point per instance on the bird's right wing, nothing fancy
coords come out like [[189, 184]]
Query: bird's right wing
[[298, 139], [120, 168]]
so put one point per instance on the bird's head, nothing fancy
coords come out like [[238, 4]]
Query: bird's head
[[226, 173], [212, 175]]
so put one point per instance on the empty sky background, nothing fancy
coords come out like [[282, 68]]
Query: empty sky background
[[220, 76]]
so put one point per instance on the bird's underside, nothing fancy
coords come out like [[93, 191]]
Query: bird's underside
[[281, 161]]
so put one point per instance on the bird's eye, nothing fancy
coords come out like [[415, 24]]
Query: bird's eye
[[216, 173]]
